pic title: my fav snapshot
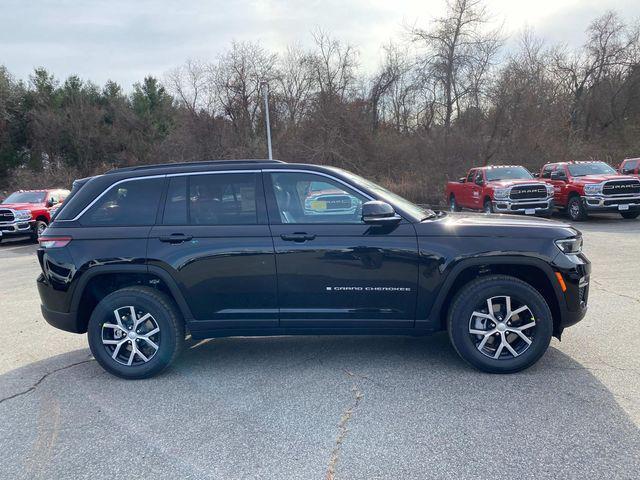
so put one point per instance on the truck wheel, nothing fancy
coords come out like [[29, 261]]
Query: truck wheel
[[630, 215], [453, 205], [38, 228], [487, 206], [500, 324], [135, 332], [576, 209]]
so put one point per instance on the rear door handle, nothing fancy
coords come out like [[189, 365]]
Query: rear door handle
[[297, 237], [175, 238]]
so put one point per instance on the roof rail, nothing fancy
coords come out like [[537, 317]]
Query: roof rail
[[188, 164]]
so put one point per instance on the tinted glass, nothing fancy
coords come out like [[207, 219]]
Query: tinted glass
[[308, 198], [546, 171], [25, 197], [131, 203], [507, 173], [223, 199], [592, 168], [175, 207], [470, 176], [630, 166]]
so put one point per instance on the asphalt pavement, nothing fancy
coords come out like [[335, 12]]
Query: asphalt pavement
[[328, 407]]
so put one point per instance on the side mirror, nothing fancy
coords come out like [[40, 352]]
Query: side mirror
[[376, 212], [558, 176], [50, 203], [479, 182], [462, 179], [536, 175]]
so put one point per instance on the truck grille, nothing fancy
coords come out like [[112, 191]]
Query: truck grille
[[621, 187], [6, 215], [525, 192]]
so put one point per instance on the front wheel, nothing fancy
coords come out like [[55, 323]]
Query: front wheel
[[630, 215], [38, 229], [488, 206], [500, 324], [453, 204], [135, 332], [576, 209]]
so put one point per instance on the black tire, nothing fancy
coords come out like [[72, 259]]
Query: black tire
[[576, 209], [630, 215], [453, 204], [38, 228], [475, 294], [170, 339], [487, 206]]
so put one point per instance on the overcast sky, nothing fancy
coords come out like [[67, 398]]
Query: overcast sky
[[124, 40]]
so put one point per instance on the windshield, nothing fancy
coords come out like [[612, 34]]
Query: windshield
[[593, 168], [507, 173], [25, 197], [410, 207]]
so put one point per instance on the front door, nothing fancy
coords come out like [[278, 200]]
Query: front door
[[333, 270], [214, 239]]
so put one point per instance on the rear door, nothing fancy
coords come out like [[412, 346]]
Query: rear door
[[466, 199], [214, 240], [334, 270]]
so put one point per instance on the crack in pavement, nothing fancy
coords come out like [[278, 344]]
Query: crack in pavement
[[342, 427], [604, 289], [35, 385]]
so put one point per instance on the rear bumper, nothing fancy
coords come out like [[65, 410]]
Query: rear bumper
[[531, 207]]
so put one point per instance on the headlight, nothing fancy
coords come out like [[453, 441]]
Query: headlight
[[501, 192], [549, 190], [23, 214], [570, 245], [593, 189]]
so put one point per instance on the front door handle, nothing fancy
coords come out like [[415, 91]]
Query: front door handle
[[297, 237], [175, 238]]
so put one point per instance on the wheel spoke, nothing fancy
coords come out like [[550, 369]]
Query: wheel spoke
[[117, 349], [508, 305], [473, 331], [133, 354], [518, 310], [499, 349], [141, 355], [525, 327], [112, 325], [510, 348], [152, 332], [483, 315], [142, 319], [490, 306], [483, 342], [119, 319], [111, 342], [150, 342], [523, 336]]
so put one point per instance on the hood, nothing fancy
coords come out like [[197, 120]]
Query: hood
[[588, 179], [21, 206], [495, 225], [511, 183]]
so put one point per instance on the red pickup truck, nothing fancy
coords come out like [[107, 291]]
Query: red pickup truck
[[502, 189], [630, 166], [584, 187], [28, 212]]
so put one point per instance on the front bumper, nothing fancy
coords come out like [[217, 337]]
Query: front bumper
[[601, 203], [17, 228], [529, 207], [576, 273]]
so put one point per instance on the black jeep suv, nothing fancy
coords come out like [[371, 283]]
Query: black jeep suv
[[141, 256]]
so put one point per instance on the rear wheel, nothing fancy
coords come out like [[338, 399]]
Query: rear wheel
[[630, 215], [453, 204], [576, 209], [135, 332], [500, 324]]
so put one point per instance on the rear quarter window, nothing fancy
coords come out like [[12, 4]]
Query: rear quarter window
[[130, 203]]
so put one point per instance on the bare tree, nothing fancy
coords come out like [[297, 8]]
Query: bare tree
[[192, 85]]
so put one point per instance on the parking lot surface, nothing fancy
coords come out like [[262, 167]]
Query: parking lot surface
[[328, 407]]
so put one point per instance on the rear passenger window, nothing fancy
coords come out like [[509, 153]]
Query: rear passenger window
[[216, 199], [131, 203]]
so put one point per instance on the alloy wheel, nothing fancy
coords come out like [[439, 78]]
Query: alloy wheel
[[502, 328], [133, 339]]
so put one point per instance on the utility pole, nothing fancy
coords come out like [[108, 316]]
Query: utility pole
[[265, 91]]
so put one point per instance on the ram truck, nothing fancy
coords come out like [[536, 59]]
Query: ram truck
[[28, 212], [581, 188], [630, 166], [500, 189]]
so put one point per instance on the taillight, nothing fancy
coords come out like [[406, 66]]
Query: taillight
[[54, 242]]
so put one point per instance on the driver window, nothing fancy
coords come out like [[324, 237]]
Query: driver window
[[470, 176], [546, 172], [479, 179], [307, 198]]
